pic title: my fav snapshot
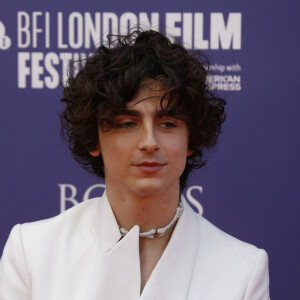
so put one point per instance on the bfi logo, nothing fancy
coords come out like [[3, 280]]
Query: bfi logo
[[5, 41], [68, 195]]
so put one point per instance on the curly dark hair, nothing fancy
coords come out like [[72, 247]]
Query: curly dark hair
[[112, 77]]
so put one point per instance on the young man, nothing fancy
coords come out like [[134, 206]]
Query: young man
[[138, 114]]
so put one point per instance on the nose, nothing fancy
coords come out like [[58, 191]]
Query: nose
[[148, 141]]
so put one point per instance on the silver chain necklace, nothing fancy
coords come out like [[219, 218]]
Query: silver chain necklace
[[152, 233]]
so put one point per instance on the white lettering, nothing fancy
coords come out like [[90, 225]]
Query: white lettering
[[60, 43], [171, 30], [35, 29], [128, 20], [199, 42], [71, 190], [92, 30], [88, 30], [187, 30], [65, 57], [51, 81], [75, 22], [145, 22], [193, 200], [5, 40], [37, 70], [23, 69], [23, 29], [225, 34], [234, 68], [110, 23], [63, 195], [225, 78], [47, 29], [217, 67]]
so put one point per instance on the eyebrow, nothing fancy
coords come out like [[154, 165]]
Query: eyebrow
[[135, 113], [128, 112]]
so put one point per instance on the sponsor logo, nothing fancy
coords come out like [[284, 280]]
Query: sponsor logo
[[5, 41], [69, 196], [35, 28], [48, 41]]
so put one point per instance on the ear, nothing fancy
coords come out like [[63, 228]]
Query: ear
[[96, 151], [189, 152]]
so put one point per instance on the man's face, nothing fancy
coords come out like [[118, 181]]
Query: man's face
[[145, 152]]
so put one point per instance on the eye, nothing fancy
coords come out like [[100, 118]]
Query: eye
[[128, 124], [167, 124]]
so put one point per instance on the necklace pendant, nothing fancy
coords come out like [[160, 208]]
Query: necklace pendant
[[151, 237]]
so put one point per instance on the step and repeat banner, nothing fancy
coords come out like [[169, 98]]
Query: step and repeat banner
[[250, 185]]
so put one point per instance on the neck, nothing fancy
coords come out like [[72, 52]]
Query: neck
[[147, 211]]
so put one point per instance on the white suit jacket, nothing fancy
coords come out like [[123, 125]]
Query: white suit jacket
[[78, 255]]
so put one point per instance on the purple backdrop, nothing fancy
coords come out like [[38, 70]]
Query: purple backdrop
[[250, 186]]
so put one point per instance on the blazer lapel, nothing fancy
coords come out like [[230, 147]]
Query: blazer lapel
[[172, 275], [110, 269]]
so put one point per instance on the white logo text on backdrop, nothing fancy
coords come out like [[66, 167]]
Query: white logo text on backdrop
[[43, 68], [68, 192], [5, 41]]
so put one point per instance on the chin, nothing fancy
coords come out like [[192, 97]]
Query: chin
[[149, 187]]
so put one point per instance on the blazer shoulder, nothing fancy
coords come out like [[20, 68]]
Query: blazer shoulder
[[70, 228], [239, 269], [226, 252], [72, 217], [214, 237]]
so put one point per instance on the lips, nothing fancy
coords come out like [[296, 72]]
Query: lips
[[150, 167]]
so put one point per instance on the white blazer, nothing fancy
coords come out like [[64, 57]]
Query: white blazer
[[78, 255]]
